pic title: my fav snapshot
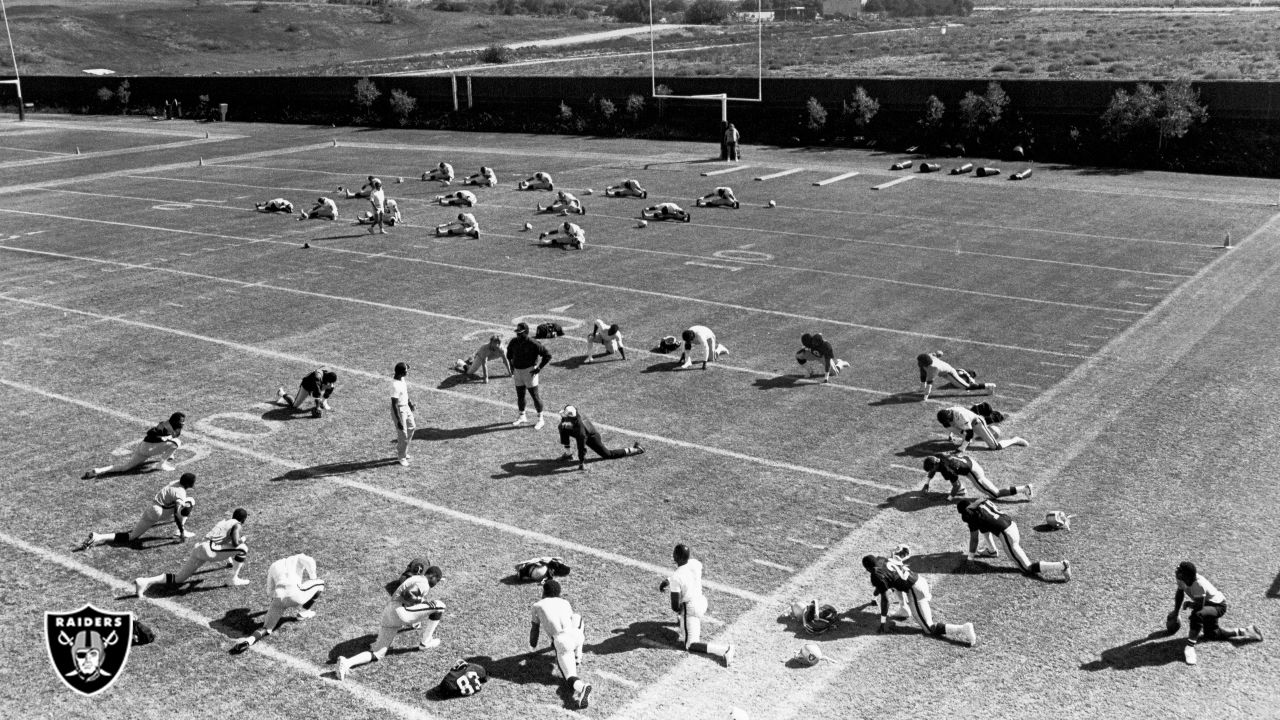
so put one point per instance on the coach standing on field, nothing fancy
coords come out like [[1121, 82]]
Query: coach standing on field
[[527, 358]]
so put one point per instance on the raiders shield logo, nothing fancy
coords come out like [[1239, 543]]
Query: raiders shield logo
[[88, 647]]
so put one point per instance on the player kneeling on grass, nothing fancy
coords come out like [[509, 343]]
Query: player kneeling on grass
[[442, 173], [955, 465], [409, 607], [568, 235], [158, 445], [720, 197], [628, 188], [689, 603], [564, 628], [291, 583], [466, 225], [575, 426], [479, 362], [365, 191], [171, 502], [932, 367], [390, 215], [275, 205], [891, 574], [317, 385], [324, 209], [987, 525], [1207, 605], [815, 349], [968, 424], [665, 211], [708, 346], [610, 336], [539, 181], [225, 543], [485, 178], [565, 203]]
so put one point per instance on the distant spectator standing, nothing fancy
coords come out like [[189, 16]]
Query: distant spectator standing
[[524, 355], [730, 144]]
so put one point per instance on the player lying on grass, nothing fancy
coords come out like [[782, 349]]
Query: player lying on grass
[[890, 574], [224, 544], [610, 336], [968, 424], [466, 224], [554, 615], [291, 583], [575, 426], [689, 603], [478, 365], [485, 178], [365, 190], [317, 386], [1196, 593], [955, 465], [628, 188], [324, 209], [567, 235], [537, 569], [409, 607], [815, 349], [708, 346], [720, 197], [390, 215], [158, 445], [442, 173], [665, 211], [987, 523], [275, 205], [539, 181], [463, 198], [565, 203], [171, 502], [932, 367]]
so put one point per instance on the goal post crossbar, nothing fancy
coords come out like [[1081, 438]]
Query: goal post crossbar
[[724, 98]]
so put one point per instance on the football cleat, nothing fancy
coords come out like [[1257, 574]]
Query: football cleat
[[240, 647], [581, 695], [539, 425], [1254, 633], [565, 456], [89, 474], [429, 644], [140, 587], [728, 655], [85, 544], [239, 582], [1189, 654], [305, 614], [520, 420], [970, 637], [344, 667], [1030, 490], [639, 450], [810, 654], [988, 553], [168, 466], [404, 461]]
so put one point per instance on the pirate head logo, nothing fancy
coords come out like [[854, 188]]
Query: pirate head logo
[[88, 647]]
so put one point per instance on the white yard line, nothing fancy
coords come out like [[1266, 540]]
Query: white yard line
[[725, 171], [891, 183], [783, 173], [836, 179]]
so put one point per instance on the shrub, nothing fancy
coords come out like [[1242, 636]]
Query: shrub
[[606, 108], [635, 106], [860, 109], [449, 6], [815, 116], [1026, 69], [402, 106], [258, 7], [105, 95], [1003, 67], [917, 8], [365, 95], [497, 54], [1120, 68], [708, 12], [934, 112], [1090, 59], [122, 94], [629, 11], [980, 114], [1144, 114]]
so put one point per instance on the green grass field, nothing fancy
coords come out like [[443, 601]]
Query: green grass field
[[1133, 352]]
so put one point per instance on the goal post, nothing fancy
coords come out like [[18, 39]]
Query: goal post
[[16, 82], [724, 98]]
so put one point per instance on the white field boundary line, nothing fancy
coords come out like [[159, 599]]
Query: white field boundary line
[[725, 171], [29, 150], [108, 153], [485, 325], [836, 179], [891, 183], [370, 697], [171, 131], [776, 175], [302, 360], [391, 494]]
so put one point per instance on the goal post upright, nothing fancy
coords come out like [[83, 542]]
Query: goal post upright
[[724, 98], [13, 56]]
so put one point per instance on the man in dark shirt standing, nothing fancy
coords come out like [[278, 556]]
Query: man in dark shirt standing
[[574, 425], [527, 358]]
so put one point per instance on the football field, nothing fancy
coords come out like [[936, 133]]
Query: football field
[[1134, 352]]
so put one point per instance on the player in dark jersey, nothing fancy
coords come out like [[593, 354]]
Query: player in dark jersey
[[463, 679], [955, 465], [816, 349], [575, 426], [892, 574], [159, 444], [317, 385], [984, 518]]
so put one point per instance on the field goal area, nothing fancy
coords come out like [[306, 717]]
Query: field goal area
[[723, 98]]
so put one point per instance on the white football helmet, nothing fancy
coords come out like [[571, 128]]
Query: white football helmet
[[810, 654]]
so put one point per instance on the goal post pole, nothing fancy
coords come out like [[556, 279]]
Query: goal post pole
[[17, 81]]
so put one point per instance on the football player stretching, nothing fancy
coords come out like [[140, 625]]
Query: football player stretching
[[223, 544], [955, 465], [409, 607], [292, 582], [891, 574], [565, 630], [690, 604], [985, 519], [160, 443], [1206, 605], [171, 502]]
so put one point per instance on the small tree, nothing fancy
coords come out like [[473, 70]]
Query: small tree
[[402, 106], [123, 94], [630, 11], [708, 12], [980, 114], [1147, 114], [105, 96], [815, 116], [496, 54], [634, 107], [860, 109], [934, 112], [366, 94]]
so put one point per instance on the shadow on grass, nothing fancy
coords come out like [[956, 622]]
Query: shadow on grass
[[429, 433], [1094, 171], [901, 398], [238, 622], [331, 469], [285, 413], [347, 648], [1274, 590], [926, 448], [1139, 653], [536, 667], [850, 623], [534, 468], [670, 366], [190, 587], [639, 634], [338, 237], [913, 500], [781, 382]]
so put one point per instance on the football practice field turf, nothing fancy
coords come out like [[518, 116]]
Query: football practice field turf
[[1137, 356]]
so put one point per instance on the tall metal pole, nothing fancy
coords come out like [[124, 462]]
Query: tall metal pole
[[17, 81]]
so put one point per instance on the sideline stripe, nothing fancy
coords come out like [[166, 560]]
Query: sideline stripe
[[725, 171], [109, 153], [783, 173], [393, 495], [307, 668], [837, 178], [458, 395], [612, 677], [891, 183], [774, 565]]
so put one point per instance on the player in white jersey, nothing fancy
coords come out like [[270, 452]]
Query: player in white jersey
[[485, 178], [968, 425], [402, 412], [539, 181], [932, 367], [628, 188], [159, 444], [690, 604], [225, 543], [665, 211], [391, 217], [610, 336], [564, 628], [720, 197], [702, 337], [378, 201], [567, 235], [409, 607], [465, 198], [466, 224], [565, 204], [291, 583], [275, 205], [1207, 604], [442, 173], [478, 365], [365, 191], [324, 209], [171, 502]]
